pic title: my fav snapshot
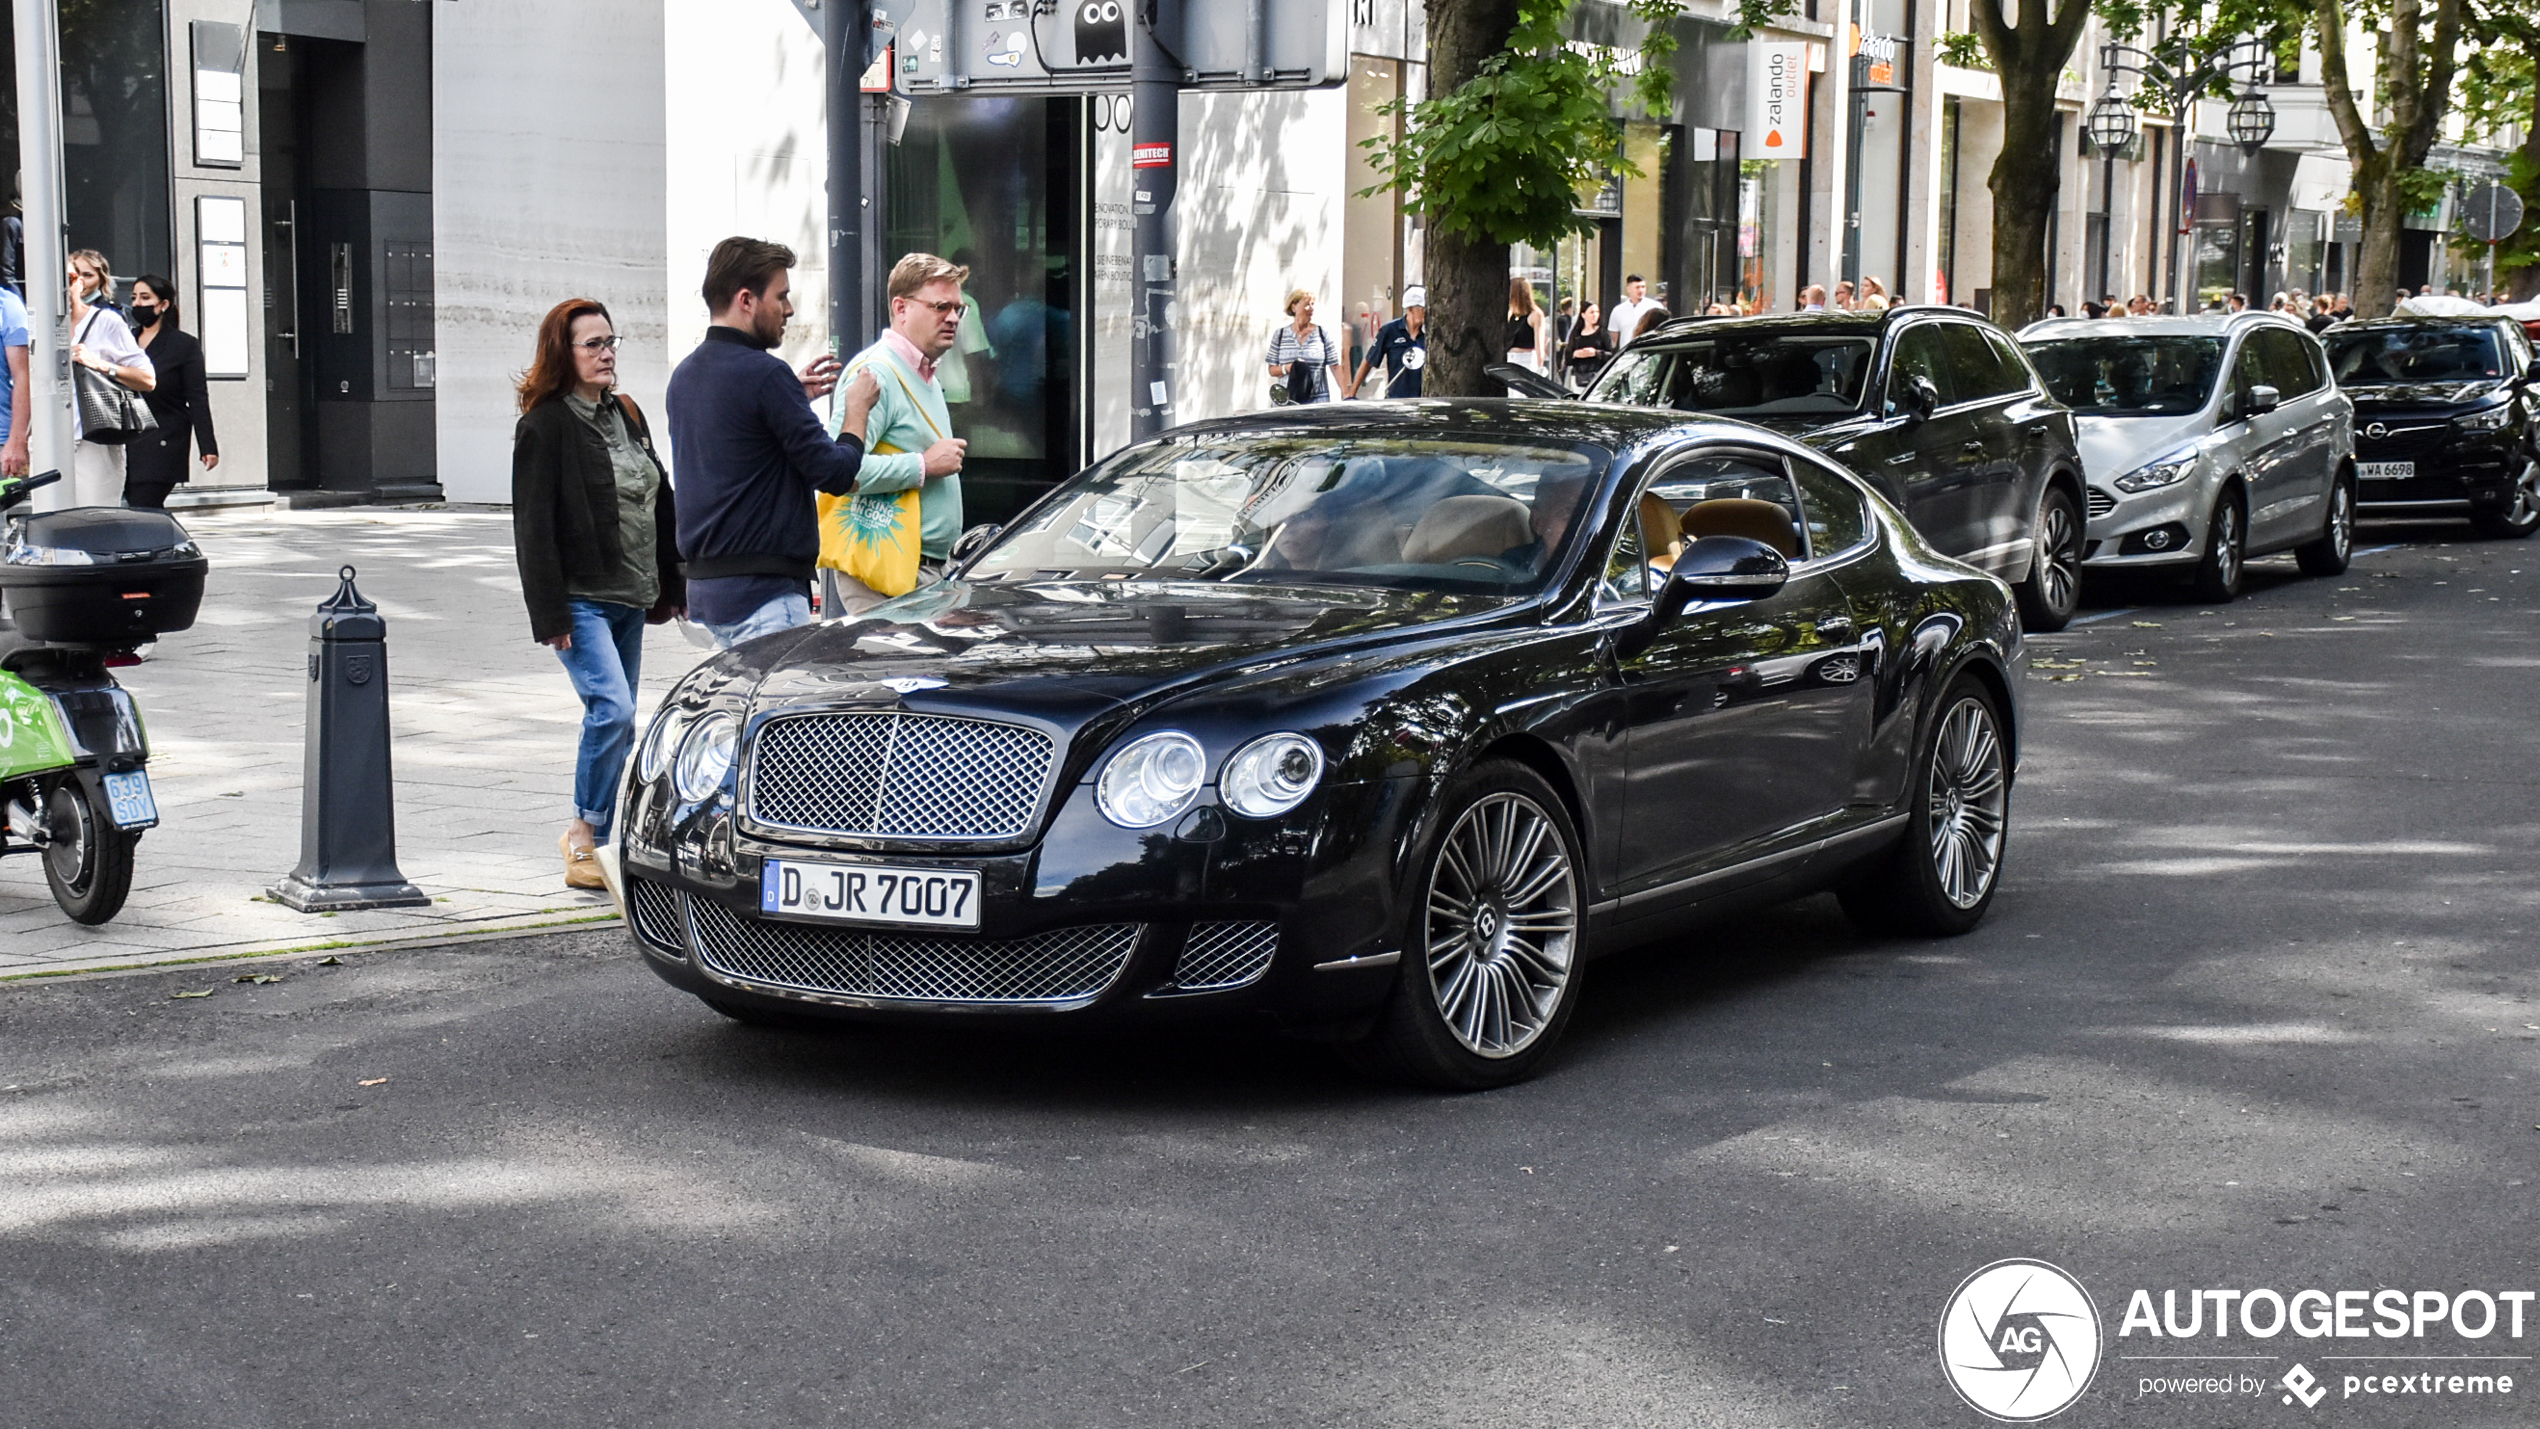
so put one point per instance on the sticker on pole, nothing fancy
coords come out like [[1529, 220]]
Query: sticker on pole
[[1151, 156]]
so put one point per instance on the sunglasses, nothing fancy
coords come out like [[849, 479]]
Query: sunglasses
[[600, 344]]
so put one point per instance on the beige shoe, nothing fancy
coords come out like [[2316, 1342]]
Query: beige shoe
[[581, 865]]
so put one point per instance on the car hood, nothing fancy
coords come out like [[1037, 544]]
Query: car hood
[[2113, 446], [2403, 396], [1066, 650]]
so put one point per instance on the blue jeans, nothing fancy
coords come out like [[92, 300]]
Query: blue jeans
[[606, 662], [783, 613]]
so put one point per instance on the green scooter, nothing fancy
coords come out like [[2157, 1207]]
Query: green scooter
[[85, 586]]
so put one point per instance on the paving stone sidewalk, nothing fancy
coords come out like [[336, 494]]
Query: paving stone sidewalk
[[484, 721]]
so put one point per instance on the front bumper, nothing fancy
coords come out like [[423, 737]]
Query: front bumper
[[2162, 527], [1289, 921], [2456, 470]]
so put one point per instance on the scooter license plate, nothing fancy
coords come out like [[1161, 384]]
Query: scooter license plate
[[128, 800]]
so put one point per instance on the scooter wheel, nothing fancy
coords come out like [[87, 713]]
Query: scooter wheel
[[89, 861]]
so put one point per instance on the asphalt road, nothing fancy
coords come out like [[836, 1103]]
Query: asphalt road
[[2255, 1008]]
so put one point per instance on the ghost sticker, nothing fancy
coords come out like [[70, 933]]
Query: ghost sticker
[[1102, 32]]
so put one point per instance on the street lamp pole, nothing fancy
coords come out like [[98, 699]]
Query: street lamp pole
[[2251, 120], [45, 253]]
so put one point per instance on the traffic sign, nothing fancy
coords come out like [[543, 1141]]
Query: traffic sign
[[2489, 213], [1082, 46]]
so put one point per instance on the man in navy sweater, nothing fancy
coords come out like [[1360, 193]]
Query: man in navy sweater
[[750, 452]]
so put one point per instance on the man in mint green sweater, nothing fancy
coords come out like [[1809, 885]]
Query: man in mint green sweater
[[908, 437]]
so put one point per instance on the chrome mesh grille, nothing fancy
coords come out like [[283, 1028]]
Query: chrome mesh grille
[[892, 774], [655, 912], [1223, 955], [2101, 503], [1064, 965]]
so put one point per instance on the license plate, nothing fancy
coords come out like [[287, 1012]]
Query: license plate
[[128, 800], [870, 893], [2385, 470]]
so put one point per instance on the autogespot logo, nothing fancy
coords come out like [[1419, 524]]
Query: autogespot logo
[[2019, 1341]]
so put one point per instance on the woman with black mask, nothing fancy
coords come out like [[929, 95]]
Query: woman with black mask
[[154, 460]]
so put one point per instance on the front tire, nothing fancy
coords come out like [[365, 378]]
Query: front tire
[[2521, 515], [2217, 578], [1494, 923], [88, 864], [2334, 550], [1940, 879], [2052, 591]]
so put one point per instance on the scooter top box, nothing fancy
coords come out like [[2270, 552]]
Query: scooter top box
[[101, 575]]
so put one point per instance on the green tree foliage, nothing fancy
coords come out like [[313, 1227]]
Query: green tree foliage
[[2416, 59]]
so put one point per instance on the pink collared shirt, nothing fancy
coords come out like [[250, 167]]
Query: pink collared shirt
[[908, 353]]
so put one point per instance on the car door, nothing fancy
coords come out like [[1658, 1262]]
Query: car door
[[1996, 525], [2259, 440], [1923, 464], [1742, 720], [2304, 430]]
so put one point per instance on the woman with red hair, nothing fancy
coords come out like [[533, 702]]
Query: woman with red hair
[[594, 531]]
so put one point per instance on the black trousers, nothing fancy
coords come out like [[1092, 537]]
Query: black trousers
[[147, 495]]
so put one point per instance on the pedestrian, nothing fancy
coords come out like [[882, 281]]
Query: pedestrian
[[154, 460], [1812, 299], [2092, 310], [2139, 306], [1843, 295], [594, 530], [16, 418], [1303, 362], [1564, 318], [1529, 341], [1873, 296], [1583, 355], [2236, 302], [1402, 348], [750, 452], [1651, 321], [101, 343], [2056, 310], [897, 532], [1625, 318]]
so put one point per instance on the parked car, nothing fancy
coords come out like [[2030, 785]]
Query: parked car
[[2208, 440], [1933, 406], [1380, 722], [2443, 419]]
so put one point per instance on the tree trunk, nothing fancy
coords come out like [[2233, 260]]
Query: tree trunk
[[2376, 286], [1467, 274], [2024, 182]]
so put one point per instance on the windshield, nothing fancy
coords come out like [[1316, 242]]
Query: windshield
[[2366, 357], [1443, 515], [1748, 374], [2129, 376]]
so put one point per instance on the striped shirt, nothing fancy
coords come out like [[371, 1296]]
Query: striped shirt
[[1317, 352]]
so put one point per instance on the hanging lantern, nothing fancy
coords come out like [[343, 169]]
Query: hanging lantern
[[2111, 124], [2251, 121]]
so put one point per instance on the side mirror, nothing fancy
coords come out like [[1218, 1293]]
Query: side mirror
[[971, 543], [2261, 399], [1713, 568]]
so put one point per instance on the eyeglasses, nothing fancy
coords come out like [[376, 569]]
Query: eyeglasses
[[600, 344], [950, 310]]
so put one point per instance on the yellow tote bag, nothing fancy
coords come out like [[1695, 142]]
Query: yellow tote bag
[[876, 538]]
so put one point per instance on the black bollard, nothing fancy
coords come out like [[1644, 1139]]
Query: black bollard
[[348, 801]]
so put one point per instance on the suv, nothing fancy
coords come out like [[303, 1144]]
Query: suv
[[1933, 406], [2207, 439], [2443, 418]]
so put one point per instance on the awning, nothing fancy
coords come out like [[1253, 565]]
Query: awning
[[2320, 182]]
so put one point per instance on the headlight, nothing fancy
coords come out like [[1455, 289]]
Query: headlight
[[1151, 780], [2488, 420], [2152, 476], [1271, 775], [705, 756], [46, 556], [663, 738]]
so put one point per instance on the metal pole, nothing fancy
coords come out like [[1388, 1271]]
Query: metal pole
[[42, 262], [844, 28], [1155, 87]]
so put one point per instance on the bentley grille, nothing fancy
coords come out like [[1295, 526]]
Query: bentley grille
[[898, 775], [655, 912], [1062, 966], [1219, 956]]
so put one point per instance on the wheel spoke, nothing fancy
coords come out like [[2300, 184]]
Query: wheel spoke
[[1504, 862]]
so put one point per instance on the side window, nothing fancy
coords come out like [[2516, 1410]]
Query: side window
[[1974, 363], [1722, 494], [2288, 364], [1919, 353], [2248, 369], [2016, 375], [1627, 570], [1836, 514]]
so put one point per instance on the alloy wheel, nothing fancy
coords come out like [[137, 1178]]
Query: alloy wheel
[[2341, 520], [2227, 544], [1968, 803], [1502, 924], [2526, 503], [2059, 573]]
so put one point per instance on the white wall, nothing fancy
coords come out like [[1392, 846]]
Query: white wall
[[1263, 182], [522, 223]]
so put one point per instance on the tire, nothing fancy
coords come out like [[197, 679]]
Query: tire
[[2334, 550], [90, 870], [2226, 560], [2052, 591], [1487, 982], [2521, 515], [1940, 878]]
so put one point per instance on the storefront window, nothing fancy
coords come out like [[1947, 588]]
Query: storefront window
[[991, 183], [1758, 233], [114, 131]]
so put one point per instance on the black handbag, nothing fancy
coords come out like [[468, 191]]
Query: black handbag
[[110, 414]]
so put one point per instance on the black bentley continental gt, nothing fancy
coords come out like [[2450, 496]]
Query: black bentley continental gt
[[1378, 725]]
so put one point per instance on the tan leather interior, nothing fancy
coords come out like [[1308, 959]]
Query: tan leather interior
[[1760, 521], [1461, 527], [1661, 534]]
